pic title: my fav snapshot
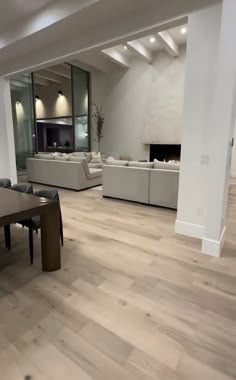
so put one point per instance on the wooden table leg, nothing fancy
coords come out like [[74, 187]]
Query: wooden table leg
[[50, 238]]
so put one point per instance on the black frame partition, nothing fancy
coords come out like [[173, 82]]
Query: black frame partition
[[80, 112]]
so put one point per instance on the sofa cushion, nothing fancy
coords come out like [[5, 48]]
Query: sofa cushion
[[61, 158], [95, 166], [137, 164], [76, 159], [88, 156], [166, 165], [96, 158], [94, 173], [117, 162], [44, 156]]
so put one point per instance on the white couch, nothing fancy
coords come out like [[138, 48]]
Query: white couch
[[142, 184], [71, 174]]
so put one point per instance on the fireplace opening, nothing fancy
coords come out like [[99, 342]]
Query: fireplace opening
[[165, 152]]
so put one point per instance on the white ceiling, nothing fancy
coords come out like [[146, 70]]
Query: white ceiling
[[12, 11], [32, 37]]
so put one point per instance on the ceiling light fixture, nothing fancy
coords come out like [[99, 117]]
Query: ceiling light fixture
[[125, 47], [152, 40], [59, 93], [183, 30]]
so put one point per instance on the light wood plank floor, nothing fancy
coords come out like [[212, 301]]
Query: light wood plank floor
[[132, 302]]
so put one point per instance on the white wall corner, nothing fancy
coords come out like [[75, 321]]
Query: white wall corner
[[189, 229], [213, 247]]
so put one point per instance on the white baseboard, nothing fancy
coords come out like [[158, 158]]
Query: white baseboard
[[189, 229], [213, 247]]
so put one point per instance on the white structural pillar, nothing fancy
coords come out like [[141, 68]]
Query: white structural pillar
[[202, 51], [208, 124], [221, 127], [7, 146]]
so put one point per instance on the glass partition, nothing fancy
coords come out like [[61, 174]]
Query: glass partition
[[23, 120], [80, 89]]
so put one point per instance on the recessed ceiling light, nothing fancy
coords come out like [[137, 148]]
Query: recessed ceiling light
[[125, 47], [152, 40], [183, 30]]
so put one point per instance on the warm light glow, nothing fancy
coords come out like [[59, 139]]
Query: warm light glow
[[152, 40], [125, 47], [183, 30]]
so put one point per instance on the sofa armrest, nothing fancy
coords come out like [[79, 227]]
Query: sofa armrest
[[164, 186]]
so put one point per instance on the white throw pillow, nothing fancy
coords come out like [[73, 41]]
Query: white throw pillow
[[110, 158], [56, 154], [166, 165], [96, 158], [117, 163], [78, 154], [137, 164]]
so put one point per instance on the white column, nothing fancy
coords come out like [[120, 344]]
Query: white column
[[202, 51], [7, 146], [221, 127]]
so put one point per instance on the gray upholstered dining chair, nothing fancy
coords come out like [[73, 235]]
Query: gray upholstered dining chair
[[26, 188], [33, 224], [6, 183]]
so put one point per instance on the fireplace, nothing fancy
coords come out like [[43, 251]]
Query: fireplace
[[165, 152]]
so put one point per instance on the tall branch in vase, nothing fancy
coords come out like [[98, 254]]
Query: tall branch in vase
[[98, 117]]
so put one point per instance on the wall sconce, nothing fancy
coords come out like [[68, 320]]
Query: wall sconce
[[59, 93], [18, 101], [37, 98]]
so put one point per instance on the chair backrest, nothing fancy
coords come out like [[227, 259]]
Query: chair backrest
[[5, 182], [51, 194], [23, 188]]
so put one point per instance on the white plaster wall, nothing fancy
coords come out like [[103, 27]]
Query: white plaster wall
[[163, 122], [125, 110], [233, 158], [7, 147], [142, 105]]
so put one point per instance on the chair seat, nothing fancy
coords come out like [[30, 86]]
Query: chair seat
[[34, 222]]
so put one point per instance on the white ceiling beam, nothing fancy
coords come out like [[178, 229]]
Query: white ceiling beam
[[168, 43], [48, 76], [41, 81], [18, 84], [60, 70], [115, 56], [141, 50]]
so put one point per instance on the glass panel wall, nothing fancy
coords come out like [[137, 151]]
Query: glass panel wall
[[23, 120], [80, 89]]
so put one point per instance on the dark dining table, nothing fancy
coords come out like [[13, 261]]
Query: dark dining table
[[15, 206]]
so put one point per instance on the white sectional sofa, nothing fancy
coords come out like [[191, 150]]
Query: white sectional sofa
[[149, 183], [62, 171]]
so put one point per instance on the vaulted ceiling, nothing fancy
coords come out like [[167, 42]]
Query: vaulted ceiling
[[38, 33]]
